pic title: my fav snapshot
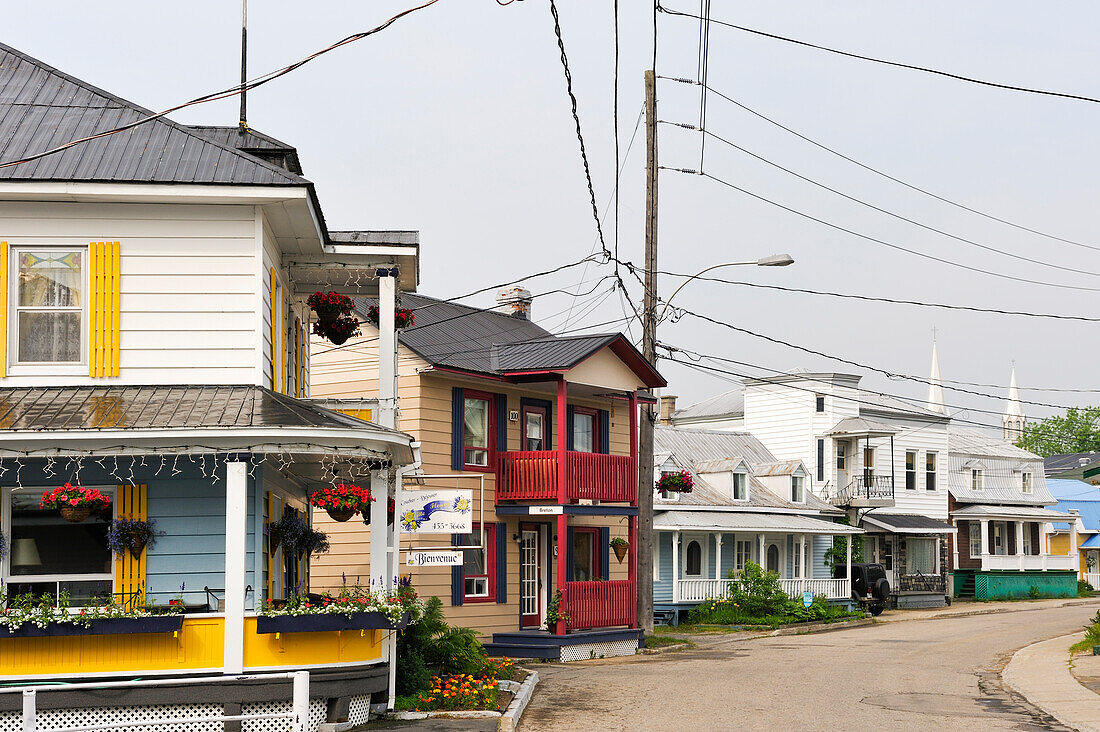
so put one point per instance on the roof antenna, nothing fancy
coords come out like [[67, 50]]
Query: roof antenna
[[243, 125]]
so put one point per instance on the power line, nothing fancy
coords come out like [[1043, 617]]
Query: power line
[[898, 64], [873, 207], [882, 241], [885, 175], [841, 359], [225, 93], [577, 121]]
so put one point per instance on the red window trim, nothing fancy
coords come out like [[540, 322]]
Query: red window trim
[[597, 570], [595, 414], [491, 440], [490, 564]]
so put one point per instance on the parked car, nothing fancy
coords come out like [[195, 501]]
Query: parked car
[[870, 588]]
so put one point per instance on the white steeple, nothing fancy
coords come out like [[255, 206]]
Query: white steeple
[[935, 390], [1013, 420]]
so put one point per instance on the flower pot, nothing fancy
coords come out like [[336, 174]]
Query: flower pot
[[327, 622], [136, 548], [340, 514], [337, 338], [274, 540], [328, 316], [620, 551], [104, 626], [75, 514]]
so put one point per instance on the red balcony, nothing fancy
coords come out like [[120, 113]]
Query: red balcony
[[600, 604], [533, 476]]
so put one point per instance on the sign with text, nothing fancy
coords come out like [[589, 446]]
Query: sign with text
[[433, 559], [807, 598], [436, 511], [544, 510]]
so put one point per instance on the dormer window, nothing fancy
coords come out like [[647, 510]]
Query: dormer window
[[976, 479], [798, 489], [668, 495], [1026, 485], [740, 487]]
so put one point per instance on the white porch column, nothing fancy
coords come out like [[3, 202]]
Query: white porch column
[[676, 566], [1073, 545], [955, 539], [236, 543], [802, 554], [381, 578], [387, 352], [1020, 543], [1044, 542], [848, 563], [718, 556], [761, 559], [985, 543]]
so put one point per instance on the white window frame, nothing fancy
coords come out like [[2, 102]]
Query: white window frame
[[935, 553], [1000, 531], [742, 553], [933, 473], [47, 368], [744, 478], [977, 479], [841, 456], [911, 472], [5, 517], [663, 494], [1025, 539], [704, 555], [1026, 482], [974, 534], [799, 480]]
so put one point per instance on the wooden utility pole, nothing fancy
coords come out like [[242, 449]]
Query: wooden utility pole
[[649, 351]]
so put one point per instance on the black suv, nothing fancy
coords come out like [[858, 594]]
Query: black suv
[[870, 588]]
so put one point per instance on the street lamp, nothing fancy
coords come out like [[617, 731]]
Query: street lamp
[[774, 260]]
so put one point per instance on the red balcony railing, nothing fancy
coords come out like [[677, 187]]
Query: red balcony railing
[[533, 476], [600, 604]]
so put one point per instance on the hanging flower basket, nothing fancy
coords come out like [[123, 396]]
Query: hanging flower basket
[[342, 501], [620, 546], [402, 317], [390, 513], [338, 330], [330, 306], [295, 536], [75, 503], [680, 482], [133, 535]]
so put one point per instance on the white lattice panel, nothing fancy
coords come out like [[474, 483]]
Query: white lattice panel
[[603, 649], [318, 710], [51, 719], [359, 709]]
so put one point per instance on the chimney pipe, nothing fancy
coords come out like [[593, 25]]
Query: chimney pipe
[[668, 406]]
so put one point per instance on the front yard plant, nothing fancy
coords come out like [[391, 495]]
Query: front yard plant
[[348, 601], [1092, 637], [680, 482]]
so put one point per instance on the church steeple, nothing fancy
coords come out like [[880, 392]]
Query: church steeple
[[1013, 420], [935, 389]]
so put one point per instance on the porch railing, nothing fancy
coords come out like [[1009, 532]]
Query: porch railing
[[532, 475], [871, 487], [1093, 578], [1032, 562], [698, 590], [600, 604]]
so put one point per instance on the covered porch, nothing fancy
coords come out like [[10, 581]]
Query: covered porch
[[914, 551], [858, 483]]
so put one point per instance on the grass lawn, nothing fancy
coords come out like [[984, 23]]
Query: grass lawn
[[661, 639]]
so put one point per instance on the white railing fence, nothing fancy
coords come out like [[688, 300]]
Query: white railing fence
[[298, 716], [698, 590], [1093, 578], [1028, 562]]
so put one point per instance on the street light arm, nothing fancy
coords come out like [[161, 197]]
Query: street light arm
[[775, 260]]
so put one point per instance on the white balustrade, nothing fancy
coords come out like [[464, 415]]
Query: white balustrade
[[1029, 562], [1093, 578], [698, 590]]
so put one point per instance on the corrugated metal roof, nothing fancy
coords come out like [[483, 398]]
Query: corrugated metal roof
[[42, 108], [693, 446], [730, 403], [1073, 490], [1022, 512], [1055, 464], [860, 426], [779, 467], [1000, 462], [1093, 542], [49, 409], [748, 522], [548, 353]]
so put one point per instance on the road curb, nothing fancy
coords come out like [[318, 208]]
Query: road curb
[[1040, 673], [510, 719]]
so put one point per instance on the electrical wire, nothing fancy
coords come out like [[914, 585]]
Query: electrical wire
[[873, 207], [898, 64], [225, 93], [883, 242], [883, 174]]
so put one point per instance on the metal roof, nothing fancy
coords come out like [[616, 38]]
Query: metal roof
[[42, 108], [693, 446], [548, 353], [900, 523], [747, 522], [1000, 462], [730, 403], [1073, 490], [1093, 542], [779, 467], [1069, 462], [861, 427], [1037, 513], [85, 408]]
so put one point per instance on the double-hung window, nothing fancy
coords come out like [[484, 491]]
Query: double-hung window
[[477, 430], [1025, 483], [48, 305], [798, 489], [976, 483], [930, 471], [975, 539], [740, 487], [479, 567], [742, 554], [910, 471], [585, 430], [841, 456], [48, 555]]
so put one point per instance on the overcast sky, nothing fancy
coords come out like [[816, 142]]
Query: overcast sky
[[455, 122]]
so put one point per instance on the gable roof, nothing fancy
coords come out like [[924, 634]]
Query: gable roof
[[730, 403], [42, 108], [1069, 462], [480, 341]]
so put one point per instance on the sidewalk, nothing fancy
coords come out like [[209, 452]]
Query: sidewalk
[[964, 608], [1040, 672]]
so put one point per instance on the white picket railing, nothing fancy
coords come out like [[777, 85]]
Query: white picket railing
[[1093, 578], [298, 716], [698, 590], [1027, 562]]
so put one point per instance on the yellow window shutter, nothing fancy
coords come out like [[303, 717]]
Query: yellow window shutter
[[131, 503], [3, 309], [272, 293], [298, 357], [104, 264]]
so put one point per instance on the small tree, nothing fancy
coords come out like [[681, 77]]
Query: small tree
[[1077, 431], [837, 554], [758, 592]]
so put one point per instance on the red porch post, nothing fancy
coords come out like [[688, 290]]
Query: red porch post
[[563, 477], [632, 522]]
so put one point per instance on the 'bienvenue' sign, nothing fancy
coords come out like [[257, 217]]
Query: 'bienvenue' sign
[[433, 559], [436, 511]]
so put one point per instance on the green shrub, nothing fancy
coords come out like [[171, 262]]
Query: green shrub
[[1092, 636], [1033, 592], [1084, 589], [758, 592]]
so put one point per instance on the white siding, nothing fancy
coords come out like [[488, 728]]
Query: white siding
[[288, 309], [188, 285]]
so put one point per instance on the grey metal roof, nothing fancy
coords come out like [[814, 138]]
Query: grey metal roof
[[44, 409], [779, 467], [41, 108], [872, 403], [255, 143], [1068, 462], [548, 353], [693, 446], [1000, 461], [726, 404], [908, 523], [747, 522], [1016, 512], [860, 426]]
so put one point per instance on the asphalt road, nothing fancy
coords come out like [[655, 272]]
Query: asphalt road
[[941, 674]]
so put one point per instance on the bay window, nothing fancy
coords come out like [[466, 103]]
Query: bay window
[[49, 305]]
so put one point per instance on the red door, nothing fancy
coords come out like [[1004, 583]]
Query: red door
[[530, 575]]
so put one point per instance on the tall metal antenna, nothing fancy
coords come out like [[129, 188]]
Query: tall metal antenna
[[244, 65]]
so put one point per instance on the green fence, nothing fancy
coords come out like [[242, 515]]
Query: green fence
[[1005, 585]]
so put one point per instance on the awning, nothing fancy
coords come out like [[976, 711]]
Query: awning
[[1012, 513], [860, 427], [890, 523], [731, 521]]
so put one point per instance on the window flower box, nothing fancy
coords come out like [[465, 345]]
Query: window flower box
[[327, 622], [103, 626]]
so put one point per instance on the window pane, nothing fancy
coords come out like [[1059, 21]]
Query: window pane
[[739, 486], [534, 431], [920, 556], [583, 555], [50, 278], [473, 561], [694, 563], [43, 543], [476, 427], [584, 432], [49, 336]]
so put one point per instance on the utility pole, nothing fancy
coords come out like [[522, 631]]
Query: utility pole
[[649, 352]]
